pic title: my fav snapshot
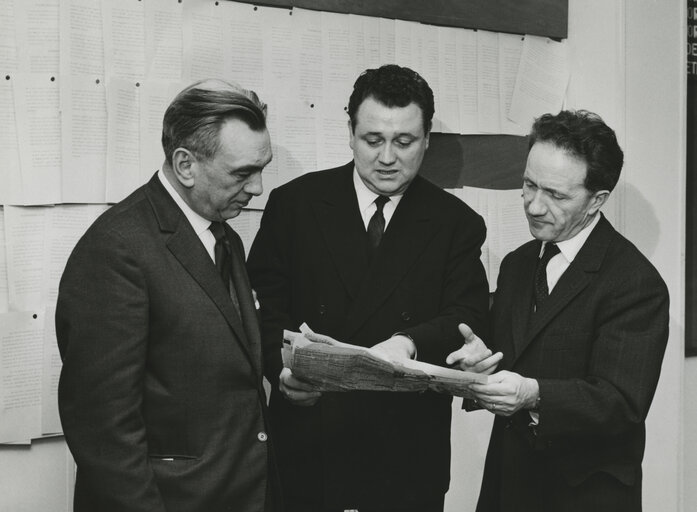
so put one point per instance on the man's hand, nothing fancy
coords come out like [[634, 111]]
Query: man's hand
[[296, 391], [474, 356], [506, 393], [397, 348]]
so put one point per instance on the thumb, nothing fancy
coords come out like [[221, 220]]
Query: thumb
[[466, 332]]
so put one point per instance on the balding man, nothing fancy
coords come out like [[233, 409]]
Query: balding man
[[161, 393]]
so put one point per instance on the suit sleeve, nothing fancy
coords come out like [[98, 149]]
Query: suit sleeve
[[465, 294], [102, 330], [623, 366], [269, 269]]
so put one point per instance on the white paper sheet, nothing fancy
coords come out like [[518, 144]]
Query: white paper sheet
[[37, 33], [307, 31], [163, 39], [4, 292], [542, 80], [448, 90], [280, 55], [124, 38], [243, 43], [467, 90], [21, 357], [10, 170], [488, 82], [8, 39], [123, 139], [337, 57], [332, 129], [37, 108], [81, 38], [84, 139], [50, 374], [510, 50], [203, 37]]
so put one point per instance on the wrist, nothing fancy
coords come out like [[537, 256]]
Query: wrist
[[533, 401], [407, 342]]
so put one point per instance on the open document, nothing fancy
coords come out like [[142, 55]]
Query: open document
[[331, 365]]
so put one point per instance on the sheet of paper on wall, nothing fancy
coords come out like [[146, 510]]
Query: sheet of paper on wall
[[37, 116], [510, 50], [21, 355], [37, 29], [543, 76], [84, 140], [123, 139], [50, 373], [331, 365], [4, 286], [10, 170]]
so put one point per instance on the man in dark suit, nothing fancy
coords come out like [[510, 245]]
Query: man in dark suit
[[582, 319], [161, 394], [372, 254]]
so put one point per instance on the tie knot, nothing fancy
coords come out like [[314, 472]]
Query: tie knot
[[551, 250], [218, 230], [380, 202]]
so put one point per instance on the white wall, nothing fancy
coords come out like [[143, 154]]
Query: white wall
[[628, 65]]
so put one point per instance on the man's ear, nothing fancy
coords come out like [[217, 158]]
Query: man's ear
[[184, 165], [350, 130], [598, 199]]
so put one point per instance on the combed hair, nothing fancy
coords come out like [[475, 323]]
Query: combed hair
[[393, 86], [584, 135], [194, 117]]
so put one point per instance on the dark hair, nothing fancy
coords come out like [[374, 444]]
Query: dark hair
[[584, 135], [393, 86], [194, 117]]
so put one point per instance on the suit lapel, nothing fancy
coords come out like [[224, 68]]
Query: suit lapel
[[521, 298], [339, 219], [187, 248], [408, 234], [577, 277]]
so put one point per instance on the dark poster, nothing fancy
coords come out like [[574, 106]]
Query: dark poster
[[691, 236]]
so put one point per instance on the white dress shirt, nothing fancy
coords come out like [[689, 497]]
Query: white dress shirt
[[197, 222], [568, 249], [366, 202]]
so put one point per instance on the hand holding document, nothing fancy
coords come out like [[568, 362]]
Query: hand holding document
[[331, 365]]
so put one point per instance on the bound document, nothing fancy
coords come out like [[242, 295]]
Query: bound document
[[331, 365]]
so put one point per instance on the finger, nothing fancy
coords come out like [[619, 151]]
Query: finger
[[460, 357], [466, 332], [488, 366], [320, 338]]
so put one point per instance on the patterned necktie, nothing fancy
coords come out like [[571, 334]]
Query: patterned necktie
[[376, 226], [541, 287]]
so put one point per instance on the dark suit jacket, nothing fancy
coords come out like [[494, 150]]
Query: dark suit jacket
[[309, 263], [161, 395], [595, 347]]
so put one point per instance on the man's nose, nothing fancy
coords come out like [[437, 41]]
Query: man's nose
[[387, 155], [254, 184], [535, 204]]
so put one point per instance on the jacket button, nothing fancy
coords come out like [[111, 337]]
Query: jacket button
[[322, 309], [262, 436], [406, 316]]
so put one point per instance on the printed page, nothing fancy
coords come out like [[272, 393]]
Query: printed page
[[448, 85], [337, 57], [81, 39], [488, 82], [10, 170], [280, 54], [243, 43], [307, 31], [408, 44], [163, 39], [371, 42], [297, 148], [510, 50], [21, 356], [50, 374], [4, 292], [203, 36], [429, 68], [542, 80], [332, 131], [124, 38], [123, 139], [84, 139], [8, 37], [37, 29], [467, 80], [154, 97], [37, 108], [387, 40], [26, 245]]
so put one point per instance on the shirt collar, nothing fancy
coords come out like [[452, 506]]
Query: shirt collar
[[365, 196], [200, 224], [570, 248]]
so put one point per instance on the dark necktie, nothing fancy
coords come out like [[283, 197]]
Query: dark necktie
[[222, 252], [376, 225], [541, 286]]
